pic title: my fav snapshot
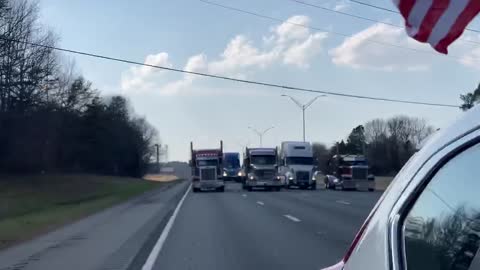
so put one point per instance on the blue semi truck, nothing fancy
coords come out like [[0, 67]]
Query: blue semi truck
[[231, 166]]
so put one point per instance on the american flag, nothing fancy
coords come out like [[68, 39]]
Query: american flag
[[438, 22]]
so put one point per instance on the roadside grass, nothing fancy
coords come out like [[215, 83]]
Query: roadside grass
[[34, 204], [382, 182]]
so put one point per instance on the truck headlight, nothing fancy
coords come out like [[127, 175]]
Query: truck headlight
[[290, 178], [251, 177], [224, 173], [239, 174]]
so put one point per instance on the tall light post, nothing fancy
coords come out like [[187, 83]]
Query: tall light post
[[260, 133], [303, 107]]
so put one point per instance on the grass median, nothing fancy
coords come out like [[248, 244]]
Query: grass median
[[35, 204]]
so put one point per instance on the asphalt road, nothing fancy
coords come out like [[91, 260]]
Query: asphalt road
[[294, 229]]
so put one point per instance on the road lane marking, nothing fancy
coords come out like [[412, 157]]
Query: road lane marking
[[260, 203], [244, 195], [161, 240], [343, 202], [292, 218]]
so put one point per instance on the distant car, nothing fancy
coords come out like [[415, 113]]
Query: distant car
[[429, 217]]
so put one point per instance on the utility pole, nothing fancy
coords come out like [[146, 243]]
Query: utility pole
[[260, 133], [157, 146], [303, 107]]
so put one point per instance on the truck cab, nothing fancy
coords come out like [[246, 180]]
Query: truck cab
[[349, 172], [231, 167], [207, 169], [296, 165], [260, 168]]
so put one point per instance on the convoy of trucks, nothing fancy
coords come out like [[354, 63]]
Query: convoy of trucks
[[292, 165]]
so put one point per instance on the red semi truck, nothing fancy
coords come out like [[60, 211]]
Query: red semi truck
[[207, 169]]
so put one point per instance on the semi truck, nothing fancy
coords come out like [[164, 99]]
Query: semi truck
[[207, 169], [260, 169], [349, 172], [231, 166], [296, 165]]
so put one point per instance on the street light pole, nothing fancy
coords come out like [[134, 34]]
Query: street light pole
[[260, 133], [303, 107]]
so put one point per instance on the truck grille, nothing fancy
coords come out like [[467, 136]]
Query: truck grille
[[360, 173], [303, 176], [265, 174], [208, 174]]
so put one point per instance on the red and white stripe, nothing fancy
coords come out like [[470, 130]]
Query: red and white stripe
[[438, 22]]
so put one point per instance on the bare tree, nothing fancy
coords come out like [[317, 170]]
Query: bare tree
[[24, 69], [375, 130]]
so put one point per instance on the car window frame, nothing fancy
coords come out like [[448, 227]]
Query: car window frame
[[415, 188]]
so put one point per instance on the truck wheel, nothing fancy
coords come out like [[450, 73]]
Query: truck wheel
[[249, 188], [371, 189], [314, 186], [195, 190], [221, 189]]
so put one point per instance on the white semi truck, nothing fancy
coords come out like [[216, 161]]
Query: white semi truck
[[296, 165]]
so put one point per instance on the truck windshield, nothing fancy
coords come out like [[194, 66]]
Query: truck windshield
[[207, 162], [299, 160], [231, 162], [263, 160]]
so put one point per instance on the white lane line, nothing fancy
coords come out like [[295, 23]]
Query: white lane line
[[292, 218], [244, 195], [343, 202], [161, 240], [260, 203]]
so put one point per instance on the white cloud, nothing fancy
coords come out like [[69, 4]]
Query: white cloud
[[291, 30], [286, 44], [300, 53], [341, 5], [469, 52], [471, 58], [240, 53], [358, 52], [136, 78]]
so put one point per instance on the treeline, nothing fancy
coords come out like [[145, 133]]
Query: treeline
[[51, 119], [387, 143]]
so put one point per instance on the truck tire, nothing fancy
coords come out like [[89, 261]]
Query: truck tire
[[371, 189], [249, 188], [314, 186], [195, 190], [221, 189]]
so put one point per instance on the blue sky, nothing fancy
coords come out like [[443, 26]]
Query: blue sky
[[200, 37]]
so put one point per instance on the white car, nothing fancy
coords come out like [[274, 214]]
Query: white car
[[429, 217]]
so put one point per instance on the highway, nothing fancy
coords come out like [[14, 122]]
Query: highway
[[294, 229], [290, 229]]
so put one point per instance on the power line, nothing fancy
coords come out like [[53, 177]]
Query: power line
[[396, 11], [373, 6], [362, 17], [344, 13], [321, 29], [266, 84]]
